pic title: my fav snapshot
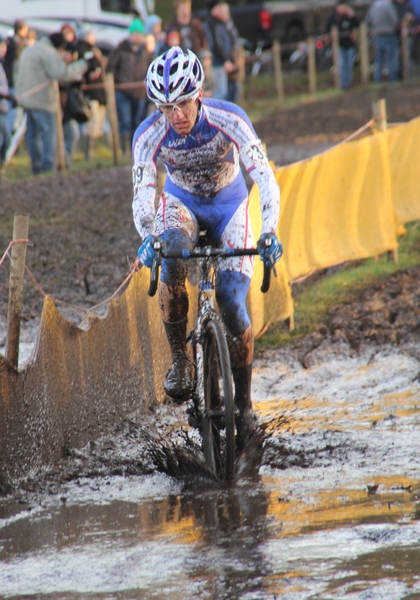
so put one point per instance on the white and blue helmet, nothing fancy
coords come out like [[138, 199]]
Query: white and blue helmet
[[174, 76]]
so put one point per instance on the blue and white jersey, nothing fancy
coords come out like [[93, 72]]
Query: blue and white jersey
[[202, 167]]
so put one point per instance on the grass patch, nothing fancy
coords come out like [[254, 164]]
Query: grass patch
[[19, 167], [315, 296], [260, 96]]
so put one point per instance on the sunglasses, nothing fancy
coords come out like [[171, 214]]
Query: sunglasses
[[167, 108]]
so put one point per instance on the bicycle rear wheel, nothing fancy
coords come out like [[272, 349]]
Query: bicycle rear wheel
[[218, 424]]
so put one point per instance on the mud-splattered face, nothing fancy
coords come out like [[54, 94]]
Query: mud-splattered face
[[183, 115]]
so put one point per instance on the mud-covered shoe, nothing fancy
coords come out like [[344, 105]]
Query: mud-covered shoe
[[179, 379], [246, 426]]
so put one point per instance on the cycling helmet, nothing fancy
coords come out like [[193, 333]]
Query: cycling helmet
[[174, 76]]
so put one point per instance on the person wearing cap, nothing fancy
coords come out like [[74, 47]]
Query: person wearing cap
[[153, 26], [201, 142], [128, 63], [190, 27], [39, 66]]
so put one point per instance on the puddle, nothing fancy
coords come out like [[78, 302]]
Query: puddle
[[333, 511]]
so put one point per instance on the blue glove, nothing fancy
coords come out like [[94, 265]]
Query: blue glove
[[146, 253], [269, 249]]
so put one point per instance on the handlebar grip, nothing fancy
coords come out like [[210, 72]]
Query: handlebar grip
[[154, 276], [265, 286]]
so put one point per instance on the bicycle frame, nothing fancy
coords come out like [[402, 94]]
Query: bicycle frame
[[213, 406]]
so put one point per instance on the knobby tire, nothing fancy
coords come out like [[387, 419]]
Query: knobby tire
[[219, 410]]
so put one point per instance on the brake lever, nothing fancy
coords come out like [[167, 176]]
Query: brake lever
[[154, 271]]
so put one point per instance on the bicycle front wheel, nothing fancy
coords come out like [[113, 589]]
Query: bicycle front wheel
[[218, 424]]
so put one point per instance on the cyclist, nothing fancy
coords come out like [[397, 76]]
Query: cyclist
[[200, 141]]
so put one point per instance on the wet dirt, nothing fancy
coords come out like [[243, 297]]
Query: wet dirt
[[326, 502]]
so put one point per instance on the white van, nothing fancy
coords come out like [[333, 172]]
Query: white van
[[108, 18]]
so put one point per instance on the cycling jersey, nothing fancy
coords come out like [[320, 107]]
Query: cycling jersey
[[203, 167]]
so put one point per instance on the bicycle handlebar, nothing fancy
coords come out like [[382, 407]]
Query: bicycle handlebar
[[206, 252]]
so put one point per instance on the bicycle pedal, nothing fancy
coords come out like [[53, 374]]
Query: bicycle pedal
[[193, 418]]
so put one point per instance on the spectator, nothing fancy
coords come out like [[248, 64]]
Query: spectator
[[222, 45], [153, 26], [15, 46], [71, 130], [405, 10], [32, 37], [129, 63], [5, 98], [173, 38], [382, 19], [69, 34], [406, 16], [190, 28], [94, 128], [345, 19], [210, 83], [39, 66]]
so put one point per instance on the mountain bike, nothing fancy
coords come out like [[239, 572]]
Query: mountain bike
[[212, 408]]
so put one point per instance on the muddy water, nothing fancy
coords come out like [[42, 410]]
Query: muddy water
[[332, 511]]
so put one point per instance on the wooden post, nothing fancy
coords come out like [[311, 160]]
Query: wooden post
[[381, 125], [405, 50], [240, 61], [311, 65], [112, 115], [61, 153], [17, 272], [364, 53], [379, 114], [336, 55], [278, 75]]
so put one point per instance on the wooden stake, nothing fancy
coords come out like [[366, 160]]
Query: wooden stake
[[61, 153], [278, 75], [336, 55], [364, 53], [112, 115], [17, 272], [240, 61], [381, 125], [379, 114], [311, 65], [405, 50]]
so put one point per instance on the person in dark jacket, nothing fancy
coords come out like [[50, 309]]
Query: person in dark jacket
[[221, 37], [94, 128], [347, 23], [129, 63], [71, 130]]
